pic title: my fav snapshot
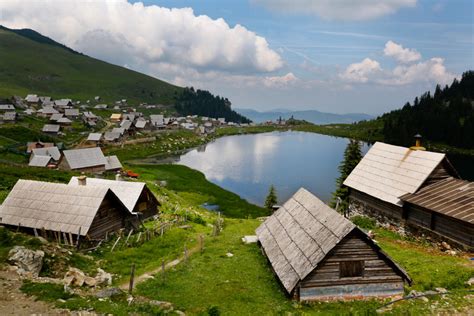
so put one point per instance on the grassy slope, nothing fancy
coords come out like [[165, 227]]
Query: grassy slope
[[32, 67]]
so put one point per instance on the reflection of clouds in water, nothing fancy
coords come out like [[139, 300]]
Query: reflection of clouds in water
[[248, 164]]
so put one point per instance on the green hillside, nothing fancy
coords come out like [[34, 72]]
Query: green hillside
[[33, 63]]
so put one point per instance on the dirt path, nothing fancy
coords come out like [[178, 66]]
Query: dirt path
[[149, 274], [14, 302]]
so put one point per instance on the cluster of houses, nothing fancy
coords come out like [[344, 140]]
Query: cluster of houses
[[7, 113], [84, 159]]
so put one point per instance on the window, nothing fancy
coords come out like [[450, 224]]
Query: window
[[349, 269]]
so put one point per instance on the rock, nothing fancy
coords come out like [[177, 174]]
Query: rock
[[470, 282], [180, 313], [441, 290], [109, 292], [371, 234], [431, 293], [250, 239], [74, 277], [42, 240], [424, 299], [103, 278], [414, 293], [90, 281], [67, 289], [451, 252], [60, 300], [229, 254], [445, 246], [28, 261], [162, 304]]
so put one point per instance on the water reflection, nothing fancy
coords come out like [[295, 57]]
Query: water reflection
[[249, 164]]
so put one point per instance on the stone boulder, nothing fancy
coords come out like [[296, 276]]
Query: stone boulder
[[74, 277], [109, 292], [29, 262], [103, 278]]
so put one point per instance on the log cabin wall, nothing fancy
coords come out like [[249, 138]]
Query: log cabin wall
[[455, 230], [352, 270], [147, 204], [110, 217]]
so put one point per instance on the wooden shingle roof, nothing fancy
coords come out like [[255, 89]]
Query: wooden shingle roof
[[84, 158], [451, 197], [299, 235], [128, 192], [52, 206], [387, 172]]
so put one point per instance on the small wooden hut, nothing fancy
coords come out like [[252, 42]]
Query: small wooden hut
[[61, 209], [317, 254]]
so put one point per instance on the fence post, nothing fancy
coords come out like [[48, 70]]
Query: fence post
[[115, 244], [163, 271], [132, 277]]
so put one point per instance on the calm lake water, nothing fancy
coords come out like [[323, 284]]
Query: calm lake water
[[248, 164]]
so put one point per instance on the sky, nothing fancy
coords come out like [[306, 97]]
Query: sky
[[340, 56]]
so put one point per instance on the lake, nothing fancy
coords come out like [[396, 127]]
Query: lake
[[248, 164]]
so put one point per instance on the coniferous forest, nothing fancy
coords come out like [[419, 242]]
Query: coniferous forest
[[204, 103], [447, 116]]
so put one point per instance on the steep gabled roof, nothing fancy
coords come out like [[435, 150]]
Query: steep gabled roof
[[39, 161], [299, 235], [113, 163], [53, 206], [51, 128], [128, 192], [85, 158], [387, 172]]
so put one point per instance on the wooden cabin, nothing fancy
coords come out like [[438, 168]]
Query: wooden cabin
[[55, 208], [136, 196], [317, 254], [89, 160], [446, 208], [389, 176]]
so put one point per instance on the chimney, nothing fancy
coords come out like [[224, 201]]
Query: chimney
[[82, 180], [418, 146], [118, 176]]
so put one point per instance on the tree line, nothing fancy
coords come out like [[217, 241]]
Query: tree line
[[447, 116], [204, 103]]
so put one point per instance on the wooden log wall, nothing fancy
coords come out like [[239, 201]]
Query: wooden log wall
[[378, 277]]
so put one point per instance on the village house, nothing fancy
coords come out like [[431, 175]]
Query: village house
[[45, 157], [46, 111], [8, 117], [100, 106], [7, 107], [116, 117], [63, 104], [157, 121], [89, 160], [45, 99], [317, 254], [33, 100], [390, 176], [141, 124], [71, 113], [60, 209], [64, 122], [136, 196], [94, 138], [111, 137], [55, 117], [51, 129]]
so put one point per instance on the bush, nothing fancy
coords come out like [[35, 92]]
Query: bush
[[364, 222], [213, 311]]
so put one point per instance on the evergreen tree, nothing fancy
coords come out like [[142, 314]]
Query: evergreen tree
[[352, 156], [271, 198]]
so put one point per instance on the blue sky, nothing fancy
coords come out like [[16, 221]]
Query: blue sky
[[338, 56]]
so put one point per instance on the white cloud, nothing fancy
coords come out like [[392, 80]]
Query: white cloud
[[360, 72], [280, 81], [143, 36], [403, 55], [432, 70], [348, 10]]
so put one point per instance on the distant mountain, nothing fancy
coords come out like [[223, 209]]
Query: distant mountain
[[312, 116], [33, 63]]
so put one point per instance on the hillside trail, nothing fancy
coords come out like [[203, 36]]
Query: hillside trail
[[150, 274], [14, 302]]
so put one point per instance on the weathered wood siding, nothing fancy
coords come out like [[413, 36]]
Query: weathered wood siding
[[63, 165], [110, 217], [456, 230], [378, 279], [442, 171], [376, 206], [147, 204]]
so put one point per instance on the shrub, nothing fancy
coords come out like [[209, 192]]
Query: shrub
[[364, 222]]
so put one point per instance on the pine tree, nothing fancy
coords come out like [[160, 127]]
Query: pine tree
[[271, 198], [352, 156]]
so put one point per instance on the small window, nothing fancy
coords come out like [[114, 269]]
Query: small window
[[349, 269]]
